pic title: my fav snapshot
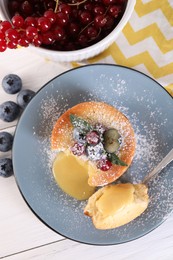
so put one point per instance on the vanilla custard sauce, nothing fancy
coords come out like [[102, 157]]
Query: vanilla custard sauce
[[71, 174], [115, 198]]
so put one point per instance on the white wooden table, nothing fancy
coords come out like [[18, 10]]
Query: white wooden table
[[22, 234]]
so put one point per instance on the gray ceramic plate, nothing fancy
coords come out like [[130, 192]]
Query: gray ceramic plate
[[149, 108]]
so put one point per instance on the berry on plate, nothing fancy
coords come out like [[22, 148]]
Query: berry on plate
[[12, 83], [6, 141], [6, 167], [9, 111]]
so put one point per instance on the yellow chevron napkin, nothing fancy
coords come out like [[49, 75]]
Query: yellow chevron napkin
[[146, 42]]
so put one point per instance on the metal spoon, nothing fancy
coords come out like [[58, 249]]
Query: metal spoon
[[166, 160]]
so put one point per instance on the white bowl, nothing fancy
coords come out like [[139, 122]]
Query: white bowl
[[85, 53]]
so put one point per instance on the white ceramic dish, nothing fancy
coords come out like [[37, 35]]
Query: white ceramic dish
[[82, 54]]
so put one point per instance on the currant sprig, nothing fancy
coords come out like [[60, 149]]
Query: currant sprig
[[59, 24]]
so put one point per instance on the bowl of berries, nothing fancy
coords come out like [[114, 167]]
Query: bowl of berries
[[63, 30]]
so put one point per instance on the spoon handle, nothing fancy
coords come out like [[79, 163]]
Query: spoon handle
[[166, 160]]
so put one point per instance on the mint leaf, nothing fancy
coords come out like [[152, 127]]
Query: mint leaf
[[80, 123], [115, 159]]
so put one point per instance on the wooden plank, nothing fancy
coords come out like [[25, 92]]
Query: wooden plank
[[157, 245], [34, 70], [20, 229]]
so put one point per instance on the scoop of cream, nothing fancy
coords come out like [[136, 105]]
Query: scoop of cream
[[116, 205]]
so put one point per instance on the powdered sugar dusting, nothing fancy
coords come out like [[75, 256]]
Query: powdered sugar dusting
[[149, 146]]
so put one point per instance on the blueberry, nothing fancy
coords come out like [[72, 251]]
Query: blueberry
[[6, 167], [6, 141], [12, 83], [24, 97], [95, 152], [9, 111], [78, 136]]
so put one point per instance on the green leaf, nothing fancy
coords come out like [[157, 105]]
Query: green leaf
[[115, 159], [80, 123]]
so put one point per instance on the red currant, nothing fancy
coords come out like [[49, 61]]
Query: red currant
[[104, 164], [109, 2], [26, 8], [73, 25], [12, 45], [51, 16], [82, 40], [100, 21], [12, 34], [74, 28], [88, 6], [37, 41], [92, 137], [62, 19], [31, 32], [99, 9], [30, 21], [17, 21], [114, 10], [44, 24], [48, 38], [4, 26], [2, 36], [78, 149], [3, 46], [65, 8], [59, 33], [14, 6], [85, 17], [91, 32], [23, 41]]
